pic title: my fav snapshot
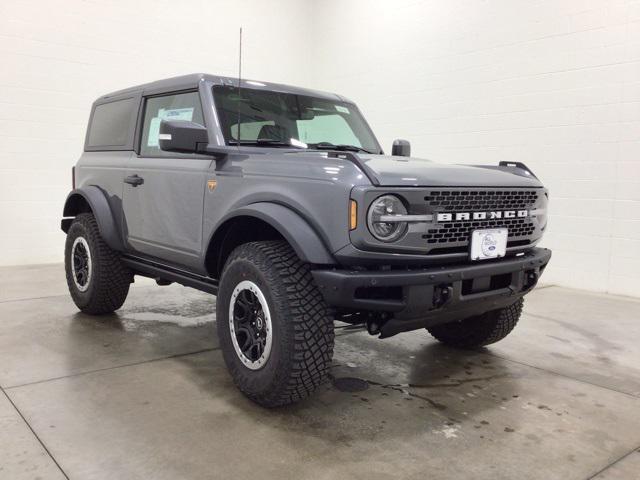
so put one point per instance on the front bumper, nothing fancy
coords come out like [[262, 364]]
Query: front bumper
[[438, 294]]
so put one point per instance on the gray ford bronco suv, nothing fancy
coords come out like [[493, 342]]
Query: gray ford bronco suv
[[281, 202]]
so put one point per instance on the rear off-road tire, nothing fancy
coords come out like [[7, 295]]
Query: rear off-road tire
[[274, 327], [97, 279], [479, 330]]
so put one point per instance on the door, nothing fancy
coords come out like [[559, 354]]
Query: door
[[164, 192]]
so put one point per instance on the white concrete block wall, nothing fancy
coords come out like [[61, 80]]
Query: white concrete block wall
[[59, 55], [554, 84]]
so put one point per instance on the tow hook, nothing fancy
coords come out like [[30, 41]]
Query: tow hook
[[441, 295], [530, 279]]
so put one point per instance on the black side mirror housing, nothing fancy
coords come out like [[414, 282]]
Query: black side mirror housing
[[401, 148], [181, 136]]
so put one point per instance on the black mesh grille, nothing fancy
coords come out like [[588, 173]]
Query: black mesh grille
[[480, 200], [456, 234], [460, 231]]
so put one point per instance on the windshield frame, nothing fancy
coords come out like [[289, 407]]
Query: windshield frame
[[357, 114]]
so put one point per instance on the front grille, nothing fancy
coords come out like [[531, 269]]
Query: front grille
[[460, 231], [453, 236], [478, 200]]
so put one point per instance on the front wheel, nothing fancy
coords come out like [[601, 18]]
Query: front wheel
[[479, 330], [275, 330]]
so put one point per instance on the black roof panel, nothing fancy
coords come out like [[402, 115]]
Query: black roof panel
[[185, 82]]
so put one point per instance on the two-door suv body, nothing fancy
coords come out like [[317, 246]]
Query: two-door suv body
[[280, 201]]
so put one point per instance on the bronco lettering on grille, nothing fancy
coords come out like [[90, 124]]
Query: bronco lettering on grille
[[462, 216]]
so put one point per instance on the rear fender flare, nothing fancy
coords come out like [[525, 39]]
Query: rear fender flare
[[99, 205]]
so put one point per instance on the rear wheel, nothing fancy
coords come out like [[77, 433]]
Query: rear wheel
[[97, 279], [275, 330], [479, 330]]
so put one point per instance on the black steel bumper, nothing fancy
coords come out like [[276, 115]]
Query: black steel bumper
[[438, 294]]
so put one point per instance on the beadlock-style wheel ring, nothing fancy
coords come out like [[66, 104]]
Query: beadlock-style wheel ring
[[250, 325], [81, 265]]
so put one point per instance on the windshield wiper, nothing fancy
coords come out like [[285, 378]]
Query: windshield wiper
[[342, 147], [265, 142]]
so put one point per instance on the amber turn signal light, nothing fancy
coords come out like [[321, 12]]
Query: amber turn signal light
[[353, 215]]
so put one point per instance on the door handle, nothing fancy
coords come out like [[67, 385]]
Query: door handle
[[134, 180]]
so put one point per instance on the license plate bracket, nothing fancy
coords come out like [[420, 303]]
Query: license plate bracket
[[488, 243]]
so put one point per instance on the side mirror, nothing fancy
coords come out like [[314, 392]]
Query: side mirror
[[401, 148], [181, 136]]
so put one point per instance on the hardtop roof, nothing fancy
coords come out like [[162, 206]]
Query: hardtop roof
[[190, 81]]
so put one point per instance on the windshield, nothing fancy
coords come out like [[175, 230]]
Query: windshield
[[274, 119]]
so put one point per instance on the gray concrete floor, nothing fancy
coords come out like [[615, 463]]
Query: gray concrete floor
[[144, 394]]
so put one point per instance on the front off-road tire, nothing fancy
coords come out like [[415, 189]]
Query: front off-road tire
[[272, 301], [479, 330], [97, 279]]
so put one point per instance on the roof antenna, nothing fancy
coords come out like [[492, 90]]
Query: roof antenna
[[239, 88]]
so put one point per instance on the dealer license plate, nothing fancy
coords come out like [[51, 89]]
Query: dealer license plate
[[486, 244]]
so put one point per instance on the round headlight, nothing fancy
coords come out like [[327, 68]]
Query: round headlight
[[379, 220], [541, 211]]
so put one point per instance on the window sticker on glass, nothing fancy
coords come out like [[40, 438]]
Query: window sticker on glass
[[342, 109], [166, 114]]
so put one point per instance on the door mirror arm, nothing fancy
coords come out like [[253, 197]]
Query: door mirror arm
[[219, 152]]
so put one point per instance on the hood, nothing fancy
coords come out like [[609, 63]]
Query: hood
[[408, 171]]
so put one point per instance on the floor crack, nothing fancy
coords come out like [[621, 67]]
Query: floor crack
[[34, 433], [402, 389], [559, 374], [97, 370], [636, 449]]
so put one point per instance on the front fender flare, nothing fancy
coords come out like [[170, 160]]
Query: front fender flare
[[97, 201], [297, 231]]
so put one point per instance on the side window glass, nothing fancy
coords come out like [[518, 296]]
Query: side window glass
[[111, 124], [183, 106]]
